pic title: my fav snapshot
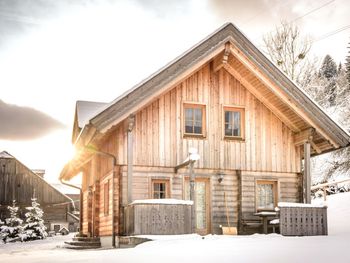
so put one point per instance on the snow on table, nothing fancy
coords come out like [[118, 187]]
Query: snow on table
[[285, 204]]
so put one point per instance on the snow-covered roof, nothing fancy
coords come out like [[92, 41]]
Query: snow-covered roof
[[65, 189], [163, 201], [86, 110], [5, 154]]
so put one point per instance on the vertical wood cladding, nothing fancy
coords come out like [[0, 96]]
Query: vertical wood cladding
[[158, 135]]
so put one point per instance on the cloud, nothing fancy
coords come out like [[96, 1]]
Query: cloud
[[24, 123]]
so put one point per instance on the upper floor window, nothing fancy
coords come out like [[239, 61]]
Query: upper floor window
[[194, 119], [234, 122]]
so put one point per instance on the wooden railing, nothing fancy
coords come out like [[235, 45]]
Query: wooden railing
[[303, 220], [325, 185]]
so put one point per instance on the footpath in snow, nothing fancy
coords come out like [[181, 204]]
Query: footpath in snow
[[213, 248]]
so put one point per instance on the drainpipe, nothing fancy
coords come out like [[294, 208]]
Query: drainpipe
[[131, 124], [81, 203]]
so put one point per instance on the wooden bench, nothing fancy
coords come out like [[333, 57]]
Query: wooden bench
[[249, 224], [275, 224]]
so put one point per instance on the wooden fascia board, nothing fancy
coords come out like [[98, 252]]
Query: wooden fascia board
[[256, 93], [148, 98], [86, 135], [72, 168], [217, 63], [277, 91], [222, 59]]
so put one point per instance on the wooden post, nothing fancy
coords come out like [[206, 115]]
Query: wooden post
[[239, 208], [307, 173], [192, 198], [131, 122]]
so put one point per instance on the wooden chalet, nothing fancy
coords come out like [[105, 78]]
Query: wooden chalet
[[18, 182], [254, 130]]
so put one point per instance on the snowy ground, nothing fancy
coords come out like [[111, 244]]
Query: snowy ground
[[192, 248]]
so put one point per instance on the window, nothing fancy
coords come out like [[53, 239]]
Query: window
[[160, 189], [234, 122], [194, 119], [106, 198], [266, 195]]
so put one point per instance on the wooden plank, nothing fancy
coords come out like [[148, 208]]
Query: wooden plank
[[307, 173], [256, 93]]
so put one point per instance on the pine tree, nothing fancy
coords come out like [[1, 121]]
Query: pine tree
[[2, 235], [13, 229], [328, 68], [347, 66], [34, 224], [329, 72]]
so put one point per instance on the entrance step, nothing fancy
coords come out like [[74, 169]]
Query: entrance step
[[83, 243]]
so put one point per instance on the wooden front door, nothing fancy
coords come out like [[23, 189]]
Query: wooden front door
[[202, 204]]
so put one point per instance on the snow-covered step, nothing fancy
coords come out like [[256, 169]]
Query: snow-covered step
[[83, 243], [87, 239], [81, 247]]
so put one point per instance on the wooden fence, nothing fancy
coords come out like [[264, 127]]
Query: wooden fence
[[158, 219], [325, 185], [303, 220]]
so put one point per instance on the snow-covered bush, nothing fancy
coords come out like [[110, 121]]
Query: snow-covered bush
[[2, 236], [34, 227], [12, 230]]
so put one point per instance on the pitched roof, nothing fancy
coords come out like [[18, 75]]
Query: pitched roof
[[142, 93], [86, 110], [6, 155]]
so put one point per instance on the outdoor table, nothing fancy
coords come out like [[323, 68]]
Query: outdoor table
[[264, 215]]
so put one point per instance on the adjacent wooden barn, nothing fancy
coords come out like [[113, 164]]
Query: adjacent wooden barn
[[253, 128], [17, 182]]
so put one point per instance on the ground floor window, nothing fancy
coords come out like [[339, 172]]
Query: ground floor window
[[160, 189], [266, 195]]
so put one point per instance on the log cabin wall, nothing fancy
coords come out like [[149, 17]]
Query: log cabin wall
[[98, 172], [267, 150], [288, 188]]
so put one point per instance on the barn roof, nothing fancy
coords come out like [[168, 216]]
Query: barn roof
[[38, 179], [6, 155], [137, 97]]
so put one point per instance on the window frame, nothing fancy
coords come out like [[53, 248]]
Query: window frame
[[274, 184], [232, 108], [106, 197], [194, 105], [167, 187]]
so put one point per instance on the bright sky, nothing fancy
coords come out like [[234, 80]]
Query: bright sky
[[53, 53]]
